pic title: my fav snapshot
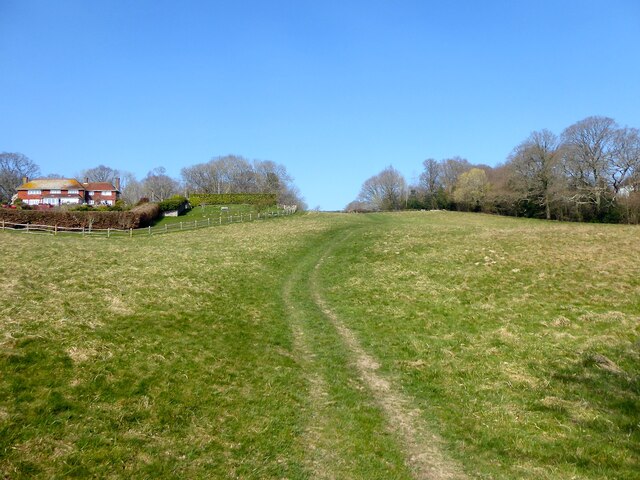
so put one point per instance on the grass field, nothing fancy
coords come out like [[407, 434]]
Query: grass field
[[214, 212], [390, 346]]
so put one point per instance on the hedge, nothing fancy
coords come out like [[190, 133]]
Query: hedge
[[177, 202], [233, 199], [140, 216]]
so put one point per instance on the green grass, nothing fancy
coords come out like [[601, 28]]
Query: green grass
[[204, 212], [205, 355]]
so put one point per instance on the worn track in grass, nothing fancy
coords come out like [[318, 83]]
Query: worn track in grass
[[419, 447]]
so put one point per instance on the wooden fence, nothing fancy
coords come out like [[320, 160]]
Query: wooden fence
[[137, 232]]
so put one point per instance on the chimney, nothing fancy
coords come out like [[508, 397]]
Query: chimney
[[117, 183], [25, 180], [86, 179]]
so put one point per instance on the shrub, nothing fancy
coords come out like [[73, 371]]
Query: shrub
[[82, 208], [233, 198], [177, 202], [137, 217]]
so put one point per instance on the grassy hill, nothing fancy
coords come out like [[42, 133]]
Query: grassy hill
[[412, 345]]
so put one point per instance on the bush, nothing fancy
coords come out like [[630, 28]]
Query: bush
[[233, 199], [137, 217], [177, 202], [82, 208]]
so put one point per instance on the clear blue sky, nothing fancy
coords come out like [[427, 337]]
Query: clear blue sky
[[334, 90]]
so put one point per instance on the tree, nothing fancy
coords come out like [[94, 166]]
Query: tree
[[13, 167], [384, 191], [235, 174], [131, 188], [535, 164], [472, 188], [101, 173], [158, 186], [625, 163], [451, 169], [588, 150], [430, 182]]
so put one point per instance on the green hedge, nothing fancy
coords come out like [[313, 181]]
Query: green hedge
[[233, 199], [177, 202]]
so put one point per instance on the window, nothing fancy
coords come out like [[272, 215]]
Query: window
[[106, 194], [55, 192], [92, 193], [34, 192], [73, 192]]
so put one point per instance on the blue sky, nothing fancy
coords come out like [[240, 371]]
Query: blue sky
[[334, 90]]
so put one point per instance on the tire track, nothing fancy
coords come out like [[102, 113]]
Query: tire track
[[424, 455], [320, 458]]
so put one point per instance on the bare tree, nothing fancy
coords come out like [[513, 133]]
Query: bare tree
[[101, 173], [451, 169], [625, 163], [235, 174], [158, 186], [535, 163], [131, 188], [13, 167], [384, 191], [588, 151], [430, 181]]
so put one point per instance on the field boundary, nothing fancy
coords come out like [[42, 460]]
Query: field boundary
[[55, 230]]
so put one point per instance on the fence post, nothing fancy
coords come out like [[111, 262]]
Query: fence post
[[149, 230], [130, 232], [55, 230], [83, 231], [220, 219], [2, 224], [196, 222], [240, 218], [108, 232], [27, 228], [209, 221], [249, 217], [180, 225]]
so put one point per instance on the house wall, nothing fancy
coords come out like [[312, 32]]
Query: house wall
[[102, 198], [44, 196]]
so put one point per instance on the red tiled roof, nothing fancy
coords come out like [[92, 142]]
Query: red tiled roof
[[99, 186]]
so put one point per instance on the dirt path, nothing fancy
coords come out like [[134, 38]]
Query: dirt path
[[320, 458], [421, 447]]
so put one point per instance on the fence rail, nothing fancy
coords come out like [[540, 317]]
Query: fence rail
[[206, 222]]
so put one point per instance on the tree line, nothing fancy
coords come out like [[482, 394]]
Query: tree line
[[225, 174], [590, 172]]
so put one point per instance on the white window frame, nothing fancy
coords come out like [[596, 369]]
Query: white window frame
[[35, 192], [73, 192], [55, 191]]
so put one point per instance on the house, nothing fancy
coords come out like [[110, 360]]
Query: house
[[51, 191], [67, 191], [102, 193]]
